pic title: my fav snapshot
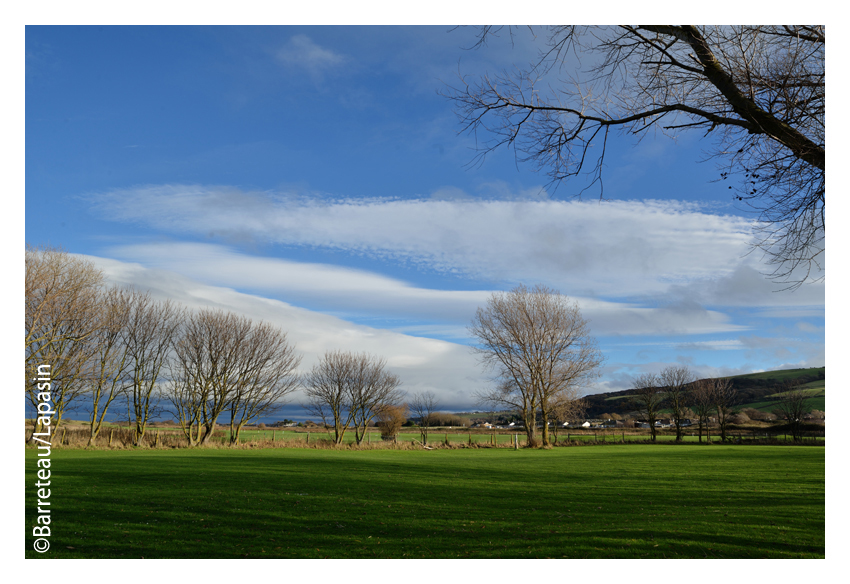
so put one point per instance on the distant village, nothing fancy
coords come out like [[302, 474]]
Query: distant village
[[592, 423]]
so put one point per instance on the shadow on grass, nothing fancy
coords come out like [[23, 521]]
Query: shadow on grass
[[297, 503]]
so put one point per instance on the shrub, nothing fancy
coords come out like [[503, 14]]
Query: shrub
[[445, 419], [390, 420], [739, 418]]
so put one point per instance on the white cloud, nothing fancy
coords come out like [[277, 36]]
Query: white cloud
[[747, 285], [358, 293], [609, 249], [721, 345]]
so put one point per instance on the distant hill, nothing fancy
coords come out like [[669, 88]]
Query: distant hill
[[755, 390]]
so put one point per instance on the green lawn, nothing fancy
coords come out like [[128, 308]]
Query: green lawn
[[614, 501]]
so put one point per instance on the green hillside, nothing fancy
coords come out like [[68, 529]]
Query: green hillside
[[755, 390]]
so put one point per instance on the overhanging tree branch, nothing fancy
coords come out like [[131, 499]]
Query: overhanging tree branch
[[757, 91]]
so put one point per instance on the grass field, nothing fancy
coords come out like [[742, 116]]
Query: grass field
[[613, 501], [817, 402]]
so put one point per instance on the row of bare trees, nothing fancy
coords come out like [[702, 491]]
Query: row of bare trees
[[110, 344], [98, 343], [677, 389], [713, 396], [103, 344]]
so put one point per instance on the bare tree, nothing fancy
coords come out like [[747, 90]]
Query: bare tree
[[540, 348], [181, 392], [702, 399], [372, 389], [758, 92], [346, 390], [206, 369], [152, 327], [423, 406], [110, 360], [792, 407], [724, 396], [328, 396], [61, 315], [264, 376], [676, 381], [566, 408], [649, 396]]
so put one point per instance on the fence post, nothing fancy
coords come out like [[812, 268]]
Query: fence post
[[62, 441], [274, 437], [110, 436], [308, 437]]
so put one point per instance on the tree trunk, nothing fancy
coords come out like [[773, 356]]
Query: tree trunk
[[530, 427], [234, 433], [544, 414], [208, 431]]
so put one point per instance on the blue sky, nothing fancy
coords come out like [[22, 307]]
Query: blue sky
[[316, 178]]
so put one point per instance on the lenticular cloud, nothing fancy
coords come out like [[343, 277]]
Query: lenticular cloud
[[611, 248]]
